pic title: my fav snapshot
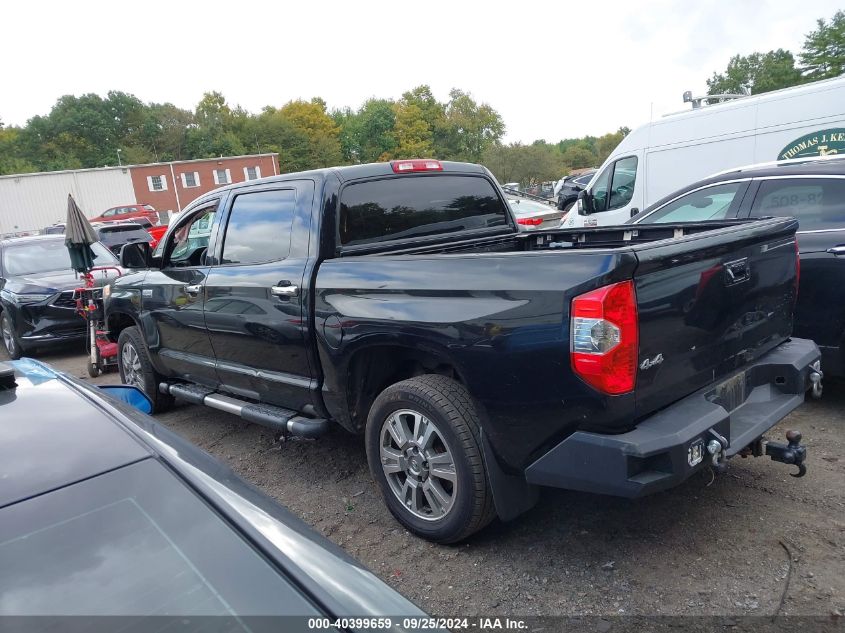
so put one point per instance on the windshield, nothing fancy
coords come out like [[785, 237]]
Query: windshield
[[45, 256]]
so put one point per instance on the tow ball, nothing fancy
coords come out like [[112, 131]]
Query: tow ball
[[791, 453]]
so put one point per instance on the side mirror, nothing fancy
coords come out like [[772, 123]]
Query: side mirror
[[585, 203], [135, 255]]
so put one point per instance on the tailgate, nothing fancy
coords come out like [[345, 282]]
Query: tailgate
[[709, 303]]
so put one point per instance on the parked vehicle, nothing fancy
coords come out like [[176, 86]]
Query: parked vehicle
[[113, 235], [811, 190], [669, 153], [511, 185], [37, 308], [532, 215], [55, 229], [400, 301], [123, 517], [570, 187], [128, 212], [156, 233]]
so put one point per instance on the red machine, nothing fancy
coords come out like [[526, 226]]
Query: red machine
[[89, 304]]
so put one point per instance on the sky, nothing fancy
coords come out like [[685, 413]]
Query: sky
[[553, 70]]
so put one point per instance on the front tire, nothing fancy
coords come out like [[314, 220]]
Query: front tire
[[133, 362], [424, 450], [10, 340]]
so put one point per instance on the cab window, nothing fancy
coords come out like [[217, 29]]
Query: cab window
[[817, 203], [188, 243], [259, 227], [614, 186], [712, 203]]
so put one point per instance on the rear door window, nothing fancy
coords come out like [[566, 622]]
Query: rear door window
[[817, 203], [259, 227], [418, 206], [712, 203]]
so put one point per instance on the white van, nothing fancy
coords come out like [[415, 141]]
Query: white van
[[662, 156]]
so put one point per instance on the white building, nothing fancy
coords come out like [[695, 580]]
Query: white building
[[30, 202]]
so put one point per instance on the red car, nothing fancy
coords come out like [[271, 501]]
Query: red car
[[128, 212], [156, 232]]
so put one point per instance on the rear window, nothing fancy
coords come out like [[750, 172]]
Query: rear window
[[817, 203], [417, 206]]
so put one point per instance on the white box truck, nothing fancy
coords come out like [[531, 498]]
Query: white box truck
[[664, 155]]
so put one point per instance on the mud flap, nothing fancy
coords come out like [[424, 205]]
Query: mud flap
[[512, 495]]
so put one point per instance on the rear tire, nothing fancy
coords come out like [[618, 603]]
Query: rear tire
[[424, 450], [133, 362], [10, 339]]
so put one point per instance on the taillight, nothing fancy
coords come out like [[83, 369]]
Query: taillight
[[530, 221], [604, 335], [407, 166], [797, 268]]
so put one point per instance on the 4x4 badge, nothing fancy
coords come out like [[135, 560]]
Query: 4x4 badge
[[648, 363]]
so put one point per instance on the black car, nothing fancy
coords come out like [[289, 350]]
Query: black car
[[123, 517], [811, 191], [113, 235], [37, 308], [567, 195]]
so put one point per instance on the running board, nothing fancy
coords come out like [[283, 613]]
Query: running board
[[277, 418]]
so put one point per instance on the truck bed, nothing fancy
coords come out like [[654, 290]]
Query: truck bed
[[498, 309]]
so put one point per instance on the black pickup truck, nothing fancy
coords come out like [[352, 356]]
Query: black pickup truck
[[400, 301]]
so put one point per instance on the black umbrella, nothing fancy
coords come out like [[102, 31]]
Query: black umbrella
[[79, 235]]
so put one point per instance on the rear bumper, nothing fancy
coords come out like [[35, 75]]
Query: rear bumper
[[655, 455]]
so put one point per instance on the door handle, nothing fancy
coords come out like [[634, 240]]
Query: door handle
[[634, 211], [285, 289], [837, 250], [193, 290]]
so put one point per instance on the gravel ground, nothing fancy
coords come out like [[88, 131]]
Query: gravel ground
[[754, 541]]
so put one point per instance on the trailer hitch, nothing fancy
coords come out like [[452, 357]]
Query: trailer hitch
[[791, 453]]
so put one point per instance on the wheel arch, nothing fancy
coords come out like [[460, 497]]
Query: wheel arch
[[373, 368]]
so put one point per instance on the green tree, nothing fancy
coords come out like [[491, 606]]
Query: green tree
[[823, 54], [756, 73], [434, 114], [372, 131], [313, 133], [414, 137], [472, 128], [10, 151]]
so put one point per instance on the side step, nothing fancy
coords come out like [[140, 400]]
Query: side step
[[277, 418]]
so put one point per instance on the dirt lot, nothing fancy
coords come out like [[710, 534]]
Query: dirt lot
[[754, 541]]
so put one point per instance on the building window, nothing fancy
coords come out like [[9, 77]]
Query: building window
[[222, 177], [157, 183], [252, 173], [191, 179]]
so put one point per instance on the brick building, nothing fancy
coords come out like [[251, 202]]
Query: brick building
[[172, 186]]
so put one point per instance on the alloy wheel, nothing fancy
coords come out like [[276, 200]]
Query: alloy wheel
[[418, 464], [131, 365], [8, 339]]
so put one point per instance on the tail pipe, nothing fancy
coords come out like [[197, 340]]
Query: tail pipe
[[285, 421]]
